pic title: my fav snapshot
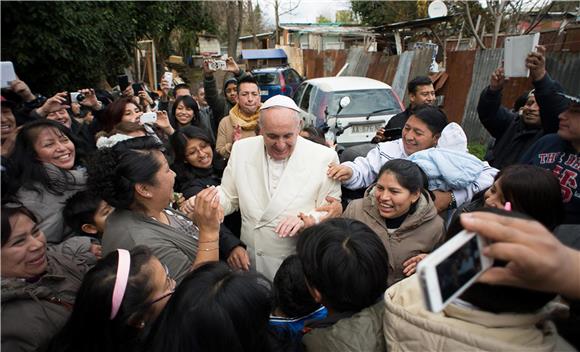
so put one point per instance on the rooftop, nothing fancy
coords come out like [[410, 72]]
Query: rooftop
[[259, 54]]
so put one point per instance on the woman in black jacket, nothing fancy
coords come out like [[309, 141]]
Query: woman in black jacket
[[198, 166]]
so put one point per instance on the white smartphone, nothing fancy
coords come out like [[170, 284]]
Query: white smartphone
[[7, 73], [168, 76], [148, 117], [451, 269]]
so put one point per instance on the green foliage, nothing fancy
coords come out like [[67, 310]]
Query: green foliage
[[344, 16], [68, 45], [477, 150], [322, 19], [376, 13]]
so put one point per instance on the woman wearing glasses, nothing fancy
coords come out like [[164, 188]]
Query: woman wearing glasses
[[118, 300]]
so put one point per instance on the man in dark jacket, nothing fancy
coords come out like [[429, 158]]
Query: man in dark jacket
[[421, 92], [559, 152], [221, 105], [514, 132]]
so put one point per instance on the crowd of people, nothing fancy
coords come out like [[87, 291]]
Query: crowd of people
[[220, 224]]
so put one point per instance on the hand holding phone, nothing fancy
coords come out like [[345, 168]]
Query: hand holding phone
[[137, 87], [7, 73], [168, 77], [451, 269]]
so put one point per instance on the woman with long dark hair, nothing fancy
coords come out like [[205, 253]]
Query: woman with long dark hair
[[197, 167], [44, 172]]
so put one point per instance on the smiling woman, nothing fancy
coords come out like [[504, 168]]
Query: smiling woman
[[135, 178], [402, 213], [38, 287], [43, 172]]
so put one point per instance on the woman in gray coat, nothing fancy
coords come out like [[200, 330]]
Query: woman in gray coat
[[38, 286]]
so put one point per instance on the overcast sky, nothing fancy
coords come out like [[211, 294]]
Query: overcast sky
[[306, 12]]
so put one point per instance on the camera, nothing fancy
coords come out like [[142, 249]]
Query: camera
[[148, 117], [217, 65], [76, 97]]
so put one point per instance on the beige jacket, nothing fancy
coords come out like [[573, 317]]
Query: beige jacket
[[302, 187], [419, 233], [408, 326], [225, 139]]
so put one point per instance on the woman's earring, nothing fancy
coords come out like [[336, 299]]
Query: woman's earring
[[141, 325]]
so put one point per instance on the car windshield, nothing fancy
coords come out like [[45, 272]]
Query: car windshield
[[267, 78], [363, 102]]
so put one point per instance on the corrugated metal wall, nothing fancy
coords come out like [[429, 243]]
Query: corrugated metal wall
[[486, 61], [393, 70]]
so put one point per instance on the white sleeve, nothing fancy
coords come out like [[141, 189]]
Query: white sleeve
[[365, 169], [228, 190], [485, 180], [329, 187]]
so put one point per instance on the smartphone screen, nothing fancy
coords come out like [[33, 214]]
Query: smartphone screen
[[123, 82], [137, 87], [459, 268]]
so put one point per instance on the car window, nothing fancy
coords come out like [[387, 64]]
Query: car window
[[364, 102], [267, 78], [292, 76], [298, 93], [305, 102]]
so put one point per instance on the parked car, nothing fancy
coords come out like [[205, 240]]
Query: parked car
[[277, 80], [350, 108]]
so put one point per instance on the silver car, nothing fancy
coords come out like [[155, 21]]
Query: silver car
[[351, 109]]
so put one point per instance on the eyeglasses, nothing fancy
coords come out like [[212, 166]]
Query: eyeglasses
[[169, 281]]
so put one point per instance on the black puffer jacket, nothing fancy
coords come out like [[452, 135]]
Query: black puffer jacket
[[512, 136]]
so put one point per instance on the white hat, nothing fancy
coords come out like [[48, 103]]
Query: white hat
[[281, 101]]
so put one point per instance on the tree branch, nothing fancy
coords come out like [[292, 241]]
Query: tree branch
[[471, 27], [292, 8]]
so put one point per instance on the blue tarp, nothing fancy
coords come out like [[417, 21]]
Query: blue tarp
[[263, 54]]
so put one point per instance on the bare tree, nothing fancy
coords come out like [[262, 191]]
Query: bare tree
[[235, 13], [471, 26], [505, 16], [497, 10], [280, 10], [252, 24]]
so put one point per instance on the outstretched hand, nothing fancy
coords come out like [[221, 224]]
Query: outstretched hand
[[339, 172]]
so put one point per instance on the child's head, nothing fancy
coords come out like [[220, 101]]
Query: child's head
[[86, 213], [345, 264], [531, 190], [290, 292]]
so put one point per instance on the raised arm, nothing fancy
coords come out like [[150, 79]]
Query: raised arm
[[494, 117], [550, 102]]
